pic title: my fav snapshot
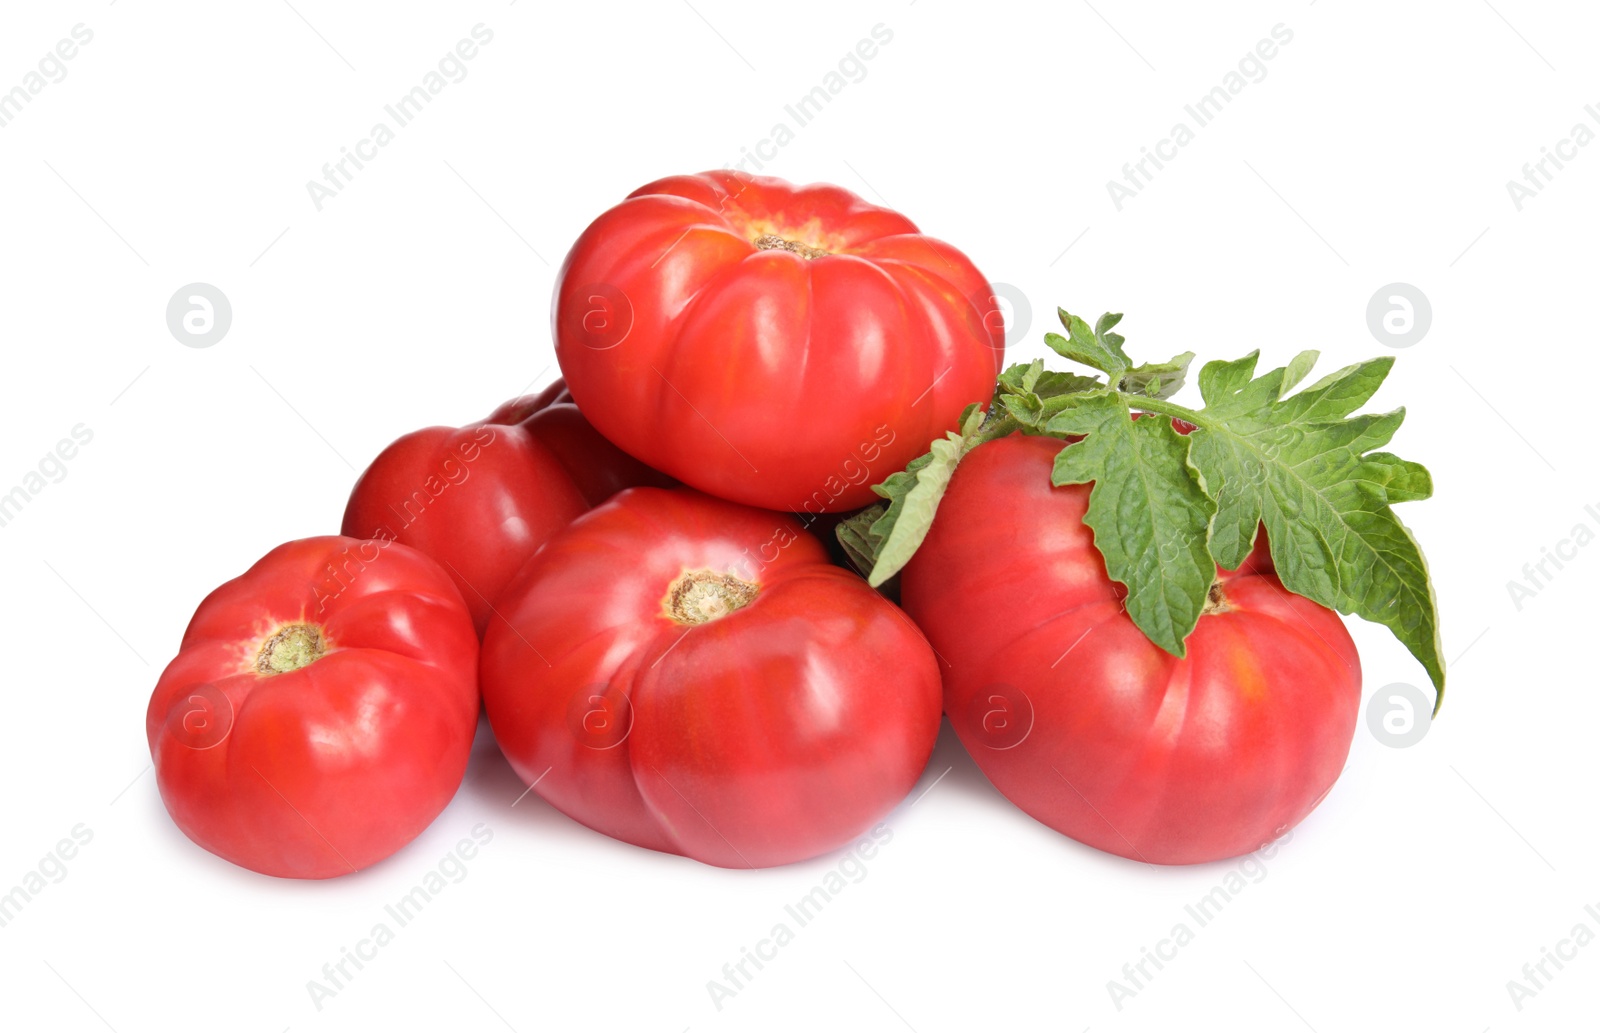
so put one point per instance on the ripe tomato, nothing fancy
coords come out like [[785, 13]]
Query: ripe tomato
[[599, 468], [1080, 720], [480, 499], [321, 709], [776, 345], [693, 676]]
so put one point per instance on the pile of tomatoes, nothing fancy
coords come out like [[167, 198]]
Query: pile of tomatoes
[[631, 573]]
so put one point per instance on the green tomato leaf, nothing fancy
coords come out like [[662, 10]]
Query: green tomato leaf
[[1030, 395], [1394, 479], [887, 541], [1053, 385], [1303, 466], [914, 499], [1026, 409], [1158, 379], [855, 536], [1220, 380], [1020, 378], [1098, 348], [1147, 509], [1227, 387]]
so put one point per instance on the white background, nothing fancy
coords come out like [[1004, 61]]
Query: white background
[[1375, 150]]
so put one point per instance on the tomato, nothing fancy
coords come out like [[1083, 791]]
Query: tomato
[[776, 345], [481, 498], [320, 711], [693, 676], [599, 468], [1085, 724]]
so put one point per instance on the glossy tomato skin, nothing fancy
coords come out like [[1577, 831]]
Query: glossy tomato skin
[[775, 732], [1086, 725], [330, 767], [481, 499], [789, 375], [598, 468]]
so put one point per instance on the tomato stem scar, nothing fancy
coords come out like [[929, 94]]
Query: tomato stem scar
[[700, 596], [771, 241], [292, 647]]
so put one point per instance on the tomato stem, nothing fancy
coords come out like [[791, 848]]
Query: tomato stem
[[1163, 407]]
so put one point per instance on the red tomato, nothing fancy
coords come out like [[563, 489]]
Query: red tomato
[[480, 499], [1080, 720], [776, 345], [693, 676], [599, 468], [321, 709]]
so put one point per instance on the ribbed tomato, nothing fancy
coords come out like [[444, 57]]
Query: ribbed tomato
[[320, 711], [1080, 720], [480, 499], [598, 468], [776, 345], [693, 676]]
